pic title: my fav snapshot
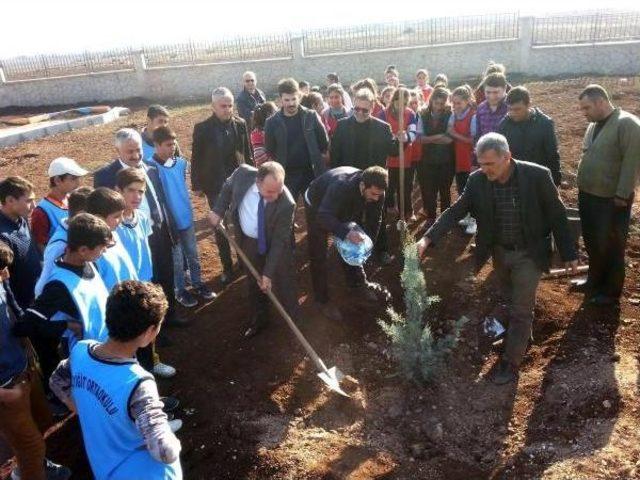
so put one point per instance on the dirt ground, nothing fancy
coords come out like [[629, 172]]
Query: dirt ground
[[254, 409]]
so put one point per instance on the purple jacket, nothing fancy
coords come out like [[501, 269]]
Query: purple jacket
[[486, 120]]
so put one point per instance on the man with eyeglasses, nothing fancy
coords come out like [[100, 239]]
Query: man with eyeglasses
[[364, 141], [249, 98]]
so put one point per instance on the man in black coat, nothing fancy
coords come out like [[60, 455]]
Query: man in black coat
[[530, 133], [249, 98], [336, 203], [517, 207], [220, 145], [262, 209]]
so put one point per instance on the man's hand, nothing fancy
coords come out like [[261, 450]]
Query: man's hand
[[76, 329], [355, 236], [214, 219], [265, 284], [620, 202], [422, 246], [402, 137], [571, 267]]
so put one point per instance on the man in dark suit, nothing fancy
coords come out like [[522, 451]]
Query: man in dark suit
[[220, 145], [262, 210], [129, 147], [249, 98], [517, 207], [336, 203], [362, 141]]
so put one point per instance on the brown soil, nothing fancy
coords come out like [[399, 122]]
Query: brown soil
[[255, 409]]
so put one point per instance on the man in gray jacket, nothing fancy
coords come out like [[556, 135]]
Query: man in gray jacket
[[517, 207], [262, 209], [296, 138]]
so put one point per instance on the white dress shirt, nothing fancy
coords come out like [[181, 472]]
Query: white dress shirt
[[248, 212]]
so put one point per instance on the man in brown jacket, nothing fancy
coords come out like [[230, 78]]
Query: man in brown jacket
[[607, 177]]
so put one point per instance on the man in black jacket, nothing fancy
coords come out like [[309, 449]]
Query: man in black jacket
[[335, 203], [220, 145], [530, 133], [517, 207], [296, 138], [249, 98]]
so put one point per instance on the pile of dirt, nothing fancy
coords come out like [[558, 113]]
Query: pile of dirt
[[254, 409]]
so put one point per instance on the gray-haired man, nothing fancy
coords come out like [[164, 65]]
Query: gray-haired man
[[517, 207], [220, 145]]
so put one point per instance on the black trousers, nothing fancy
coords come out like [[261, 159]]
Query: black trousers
[[297, 182], [317, 241], [393, 194], [605, 228], [435, 180], [224, 249], [160, 244]]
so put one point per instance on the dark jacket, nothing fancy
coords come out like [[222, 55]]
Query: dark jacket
[[381, 143], [542, 212], [335, 202], [208, 171], [247, 103], [534, 140], [278, 215], [315, 135], [107, 177]]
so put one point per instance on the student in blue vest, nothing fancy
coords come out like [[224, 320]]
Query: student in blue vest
[[115, 265], [173, 175], [58, 242], [157, 116], [24, 413], [134, 232], [126, 434], [72, 302], [64, 177]]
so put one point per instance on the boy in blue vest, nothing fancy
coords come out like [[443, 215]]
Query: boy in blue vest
[[58, 241], [126, 434], [134, 232], [115, 265], [24, 414], [172, 170], [64, 177]]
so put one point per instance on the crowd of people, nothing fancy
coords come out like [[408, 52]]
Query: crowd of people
[[89, 275]]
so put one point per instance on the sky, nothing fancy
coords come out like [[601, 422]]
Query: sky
[[61, 26]]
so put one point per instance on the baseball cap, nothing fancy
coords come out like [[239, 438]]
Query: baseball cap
[[65, 166]]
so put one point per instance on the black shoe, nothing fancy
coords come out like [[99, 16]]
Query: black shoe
[[506, 373], [580, 285], [205, 292], [256, 326], [601, 300], [171, 404]]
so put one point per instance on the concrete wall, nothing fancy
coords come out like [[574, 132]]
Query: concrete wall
[[456, 60]]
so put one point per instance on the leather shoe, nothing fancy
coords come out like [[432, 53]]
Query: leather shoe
[[330, 311]]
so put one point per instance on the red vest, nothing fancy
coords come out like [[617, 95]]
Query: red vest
[[463, 150], [394, 162]]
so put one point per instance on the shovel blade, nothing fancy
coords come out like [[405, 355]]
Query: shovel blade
[[331, 378]]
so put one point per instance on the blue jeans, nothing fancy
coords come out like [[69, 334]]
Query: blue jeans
[[186, 249]]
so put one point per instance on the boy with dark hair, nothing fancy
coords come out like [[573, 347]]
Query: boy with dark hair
[[491, 111], [24, 415], [58, 241], [126, 434], [134, 232], [114, 265], [64, 177], [157, 116], [16, 203], [173, 176]]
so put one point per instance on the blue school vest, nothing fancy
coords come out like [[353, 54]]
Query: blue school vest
[[90, 298], [173, 181], [101, 391], [55, 214], [147, 151], [55, 248], [115, 265], [135, 239]]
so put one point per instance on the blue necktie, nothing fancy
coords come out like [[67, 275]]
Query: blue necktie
[[262, 232]]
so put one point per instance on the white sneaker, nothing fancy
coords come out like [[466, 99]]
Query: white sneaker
[[465, 221], [175, 425], [472, 227], [163, 370]]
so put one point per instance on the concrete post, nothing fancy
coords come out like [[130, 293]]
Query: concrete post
[[525, 43], [3, 78], [297, 45]]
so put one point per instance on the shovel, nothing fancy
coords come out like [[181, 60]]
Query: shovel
[[330, 376], [401, 225]]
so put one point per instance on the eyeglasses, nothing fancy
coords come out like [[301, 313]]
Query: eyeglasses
[[250, 80], [364, 111]]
